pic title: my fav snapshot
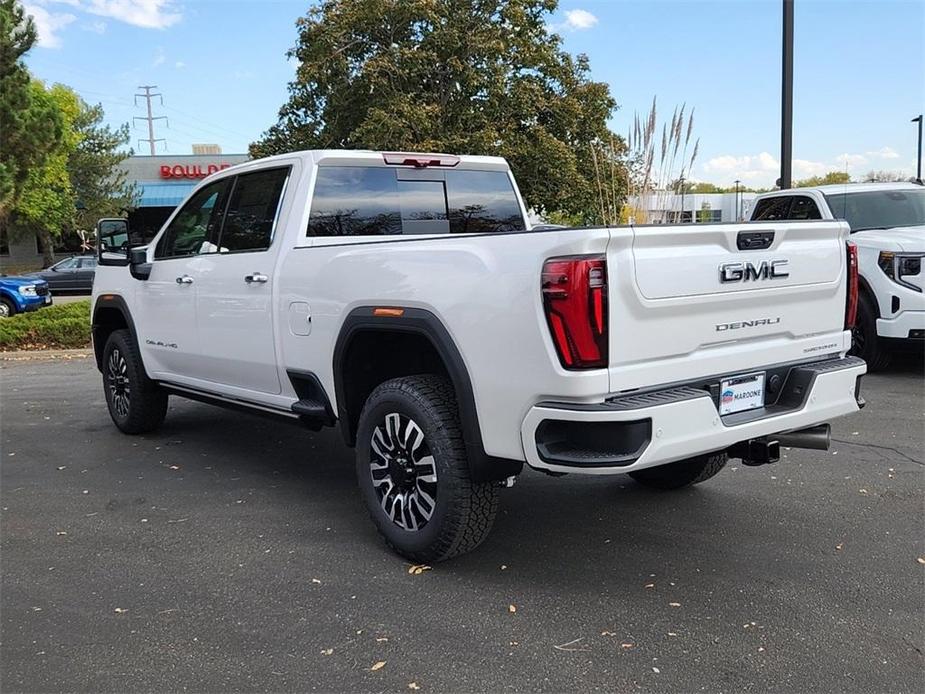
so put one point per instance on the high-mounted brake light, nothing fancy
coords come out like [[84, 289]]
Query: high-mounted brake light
[[419, 161], [575, 300], [851, 302]]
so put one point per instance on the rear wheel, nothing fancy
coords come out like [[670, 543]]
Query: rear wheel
[[865, 343], [136, 403], [682, 473], [414, 474], [7, 308]]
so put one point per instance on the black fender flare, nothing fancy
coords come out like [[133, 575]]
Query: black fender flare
[[107, 301], [482, 467]]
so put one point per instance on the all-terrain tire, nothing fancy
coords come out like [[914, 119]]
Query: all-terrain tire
[[865, 343], [136, 404], [682, 473], [415, 422]]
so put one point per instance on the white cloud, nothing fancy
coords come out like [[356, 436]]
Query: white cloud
[[149, 14], [804, 168], [179, 65], [579, 19], [755, 168], [884, 153], [851, 159], [159, 57], [96, 26], [48, 24]]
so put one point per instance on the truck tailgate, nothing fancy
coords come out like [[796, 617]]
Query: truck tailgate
[[687, 303]]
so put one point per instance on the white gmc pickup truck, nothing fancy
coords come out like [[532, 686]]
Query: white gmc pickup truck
[[405, 299]]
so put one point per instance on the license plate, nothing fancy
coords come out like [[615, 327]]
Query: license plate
[[741, 393]]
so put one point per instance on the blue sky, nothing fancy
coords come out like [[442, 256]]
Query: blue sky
[[221, 66]]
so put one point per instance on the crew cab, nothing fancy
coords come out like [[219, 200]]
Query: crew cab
[[887, 223], [405, 299]]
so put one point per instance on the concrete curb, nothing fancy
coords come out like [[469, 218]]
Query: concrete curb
[[45, 354]]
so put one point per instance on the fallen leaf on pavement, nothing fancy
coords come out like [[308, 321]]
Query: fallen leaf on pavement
[[315, 580], [413, 685], [607, 633], [627, 645], [418, 569], [649, 585], [656, 670], [512, 609], [120, 610], [674, 604], [568, 646], [921, 560], [378, 665], [839, 545], [61, 532], [381, 639]]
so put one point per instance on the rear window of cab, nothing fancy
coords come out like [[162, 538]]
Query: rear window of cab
[[376, 201]]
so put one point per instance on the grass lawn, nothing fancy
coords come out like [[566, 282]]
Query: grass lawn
[[65, 326]]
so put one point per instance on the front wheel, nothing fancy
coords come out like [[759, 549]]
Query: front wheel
[[414, 474], [7, 308], [136, 403], [682, 473]]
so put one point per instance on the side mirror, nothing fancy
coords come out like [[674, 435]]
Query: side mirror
[[112, 242], [138, 263]]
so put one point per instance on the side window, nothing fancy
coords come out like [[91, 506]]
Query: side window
[[482, 201], [772, 208], [252, 209], [88, 262], [197, 222], [804, 208], [67, 264], [355, 201]]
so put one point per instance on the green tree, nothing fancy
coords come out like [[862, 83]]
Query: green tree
[[46, 203], [93, 166], [462, 76], [30, 125], [829, 178]]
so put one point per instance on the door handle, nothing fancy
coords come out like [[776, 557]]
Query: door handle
[[184, 279], [256, 277]]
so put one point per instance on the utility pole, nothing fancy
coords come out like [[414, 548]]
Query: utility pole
[[148, 95], [786, 99]]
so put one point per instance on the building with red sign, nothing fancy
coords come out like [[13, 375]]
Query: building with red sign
[[163, 182]]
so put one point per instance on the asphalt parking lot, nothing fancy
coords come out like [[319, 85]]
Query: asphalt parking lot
[[231, 553]]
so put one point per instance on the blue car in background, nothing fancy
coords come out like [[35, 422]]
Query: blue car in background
[[20, 294]]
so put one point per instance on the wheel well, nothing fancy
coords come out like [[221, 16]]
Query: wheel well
[[106, 320], [865, 291], [373, 357]]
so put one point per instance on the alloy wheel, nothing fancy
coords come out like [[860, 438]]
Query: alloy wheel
[[4, 310], [403, 472], [117, 379]]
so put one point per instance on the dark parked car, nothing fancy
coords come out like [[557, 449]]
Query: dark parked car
[[70, 275]]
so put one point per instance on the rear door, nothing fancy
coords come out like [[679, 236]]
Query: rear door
[[702, 300], [235, 287]]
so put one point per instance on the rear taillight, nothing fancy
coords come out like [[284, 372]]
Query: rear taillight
[[575, 300], [851, 303]]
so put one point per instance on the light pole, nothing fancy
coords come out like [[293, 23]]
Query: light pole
[[786, 99], [918, 160], [737, 199]]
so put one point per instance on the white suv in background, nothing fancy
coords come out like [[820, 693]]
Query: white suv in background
[[888, 225]]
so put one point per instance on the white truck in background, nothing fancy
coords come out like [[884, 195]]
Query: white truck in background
[[405, 299], [887, 223]]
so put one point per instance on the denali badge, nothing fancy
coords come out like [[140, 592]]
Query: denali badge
[[745, 272], [720, 327]]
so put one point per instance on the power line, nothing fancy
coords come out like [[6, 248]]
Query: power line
[[148, 95]]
